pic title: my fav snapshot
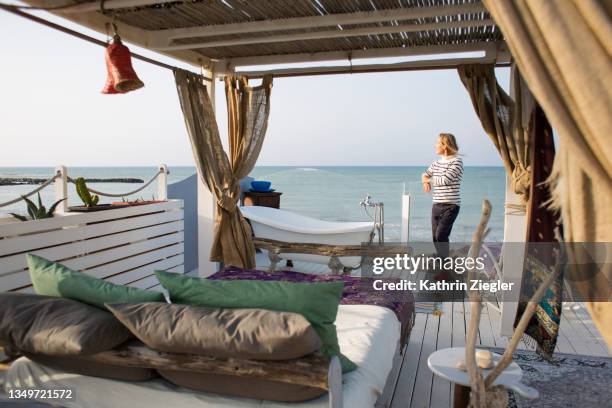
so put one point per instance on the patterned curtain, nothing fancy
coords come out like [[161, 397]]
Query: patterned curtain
[[563, 50]]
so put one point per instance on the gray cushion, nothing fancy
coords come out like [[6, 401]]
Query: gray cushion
[[238, 333], [56, 326], [242, 386]]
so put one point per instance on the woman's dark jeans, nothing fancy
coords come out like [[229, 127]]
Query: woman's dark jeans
[[443, 217]]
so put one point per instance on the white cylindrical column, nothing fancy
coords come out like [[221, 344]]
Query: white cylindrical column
[[61, 189], [162, 182], [405, 228], [513, 256]]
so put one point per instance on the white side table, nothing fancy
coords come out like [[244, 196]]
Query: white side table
[[443, 363]]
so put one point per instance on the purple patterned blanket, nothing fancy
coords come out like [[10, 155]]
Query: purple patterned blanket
[[357, 291]]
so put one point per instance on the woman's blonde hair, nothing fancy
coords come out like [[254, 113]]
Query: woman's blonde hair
[[449, 143]]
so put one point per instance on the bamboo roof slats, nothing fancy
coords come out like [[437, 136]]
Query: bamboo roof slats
[[198, 31]]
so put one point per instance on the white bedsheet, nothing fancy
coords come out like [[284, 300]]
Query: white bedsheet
[[368, 335]]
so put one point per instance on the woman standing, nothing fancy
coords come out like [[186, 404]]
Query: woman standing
[[444, 177]]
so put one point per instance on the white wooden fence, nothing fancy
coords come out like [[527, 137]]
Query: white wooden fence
[[124, 246]]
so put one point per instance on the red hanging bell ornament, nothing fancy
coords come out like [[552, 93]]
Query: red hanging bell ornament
[[120, 75]]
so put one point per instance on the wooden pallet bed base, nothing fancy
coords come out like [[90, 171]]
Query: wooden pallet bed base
[[311, 370]]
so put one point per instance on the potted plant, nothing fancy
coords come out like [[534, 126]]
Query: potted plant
[[37, 212], [90, 201], [138, 201]]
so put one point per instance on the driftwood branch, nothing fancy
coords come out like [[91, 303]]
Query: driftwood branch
[[478, 394], [522, 325], [311, 370], [483, 393]]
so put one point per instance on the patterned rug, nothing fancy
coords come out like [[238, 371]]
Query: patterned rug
[[428, 307], [577, 381]]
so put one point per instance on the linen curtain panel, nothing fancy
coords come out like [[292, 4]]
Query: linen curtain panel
[[505, 119], [563, 50], [248, 109], [232, 241]]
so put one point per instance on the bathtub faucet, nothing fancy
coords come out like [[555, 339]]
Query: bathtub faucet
[[378, 219]]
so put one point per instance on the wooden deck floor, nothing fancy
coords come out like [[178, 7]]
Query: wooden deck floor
[[417, 387]]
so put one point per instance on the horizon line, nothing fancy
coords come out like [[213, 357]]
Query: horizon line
[[259, 165]]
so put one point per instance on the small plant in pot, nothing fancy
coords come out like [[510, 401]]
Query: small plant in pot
[[138, 201], [90, 200], [37, 212]]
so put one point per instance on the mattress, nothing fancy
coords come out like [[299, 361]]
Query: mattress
[[367, 334]]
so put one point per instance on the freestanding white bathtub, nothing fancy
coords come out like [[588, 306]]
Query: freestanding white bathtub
[[282, 225]]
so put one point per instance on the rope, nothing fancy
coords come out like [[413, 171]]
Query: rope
[[36, 190], [516, 209], [122, 194]]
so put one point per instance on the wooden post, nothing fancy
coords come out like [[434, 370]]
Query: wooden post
[[61, 189], [162, 182], [206, 209]]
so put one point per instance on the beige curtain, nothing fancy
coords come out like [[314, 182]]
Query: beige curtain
[[232, 242], [563, 50], [505, 119], [248, 109]]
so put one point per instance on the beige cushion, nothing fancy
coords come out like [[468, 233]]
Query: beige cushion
[[56, 326], [84, 365], [238, 333], [242, 386]]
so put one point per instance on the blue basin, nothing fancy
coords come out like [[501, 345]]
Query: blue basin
[[260, 185]]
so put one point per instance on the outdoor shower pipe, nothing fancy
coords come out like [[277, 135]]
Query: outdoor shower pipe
[[379, 216]]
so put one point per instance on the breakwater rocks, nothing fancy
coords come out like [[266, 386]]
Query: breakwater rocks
[[16, 181]]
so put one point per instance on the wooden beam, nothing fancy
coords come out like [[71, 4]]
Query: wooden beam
[[137, 36], [405, 28], [162, 38], [111, 5], [371, 68], [490, 49], [81, 36]]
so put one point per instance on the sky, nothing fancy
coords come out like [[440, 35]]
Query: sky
[[52, 111]]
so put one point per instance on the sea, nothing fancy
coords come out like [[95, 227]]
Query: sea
[[329, 193]]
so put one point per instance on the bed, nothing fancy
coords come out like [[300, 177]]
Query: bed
[[370, 328]]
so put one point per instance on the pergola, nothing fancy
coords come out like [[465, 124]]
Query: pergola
[[224, 37]]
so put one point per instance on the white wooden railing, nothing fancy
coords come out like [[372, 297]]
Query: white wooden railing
[[123, 246]]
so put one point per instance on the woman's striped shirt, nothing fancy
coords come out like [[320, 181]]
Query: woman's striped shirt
[[446, 175]]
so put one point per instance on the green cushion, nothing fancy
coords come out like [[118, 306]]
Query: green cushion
[[317, 302], [54, 279]]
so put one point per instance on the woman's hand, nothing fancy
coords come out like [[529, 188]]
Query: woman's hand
[[426, 184]]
